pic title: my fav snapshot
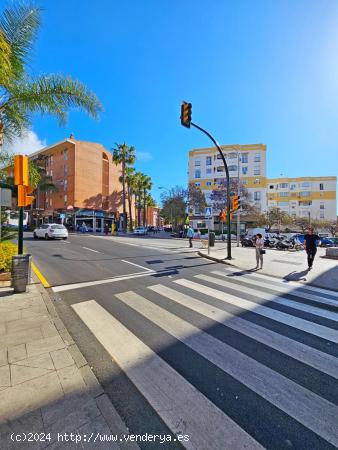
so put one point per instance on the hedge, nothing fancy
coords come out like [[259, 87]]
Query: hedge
[[7, 250]]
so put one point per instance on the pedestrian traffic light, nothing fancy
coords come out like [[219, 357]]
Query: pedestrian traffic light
[[24, 199], [223, 215], [186, 114], [21, 170], [235, 202]]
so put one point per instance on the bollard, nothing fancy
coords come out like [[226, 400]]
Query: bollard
[[21, 272], [211, 239]]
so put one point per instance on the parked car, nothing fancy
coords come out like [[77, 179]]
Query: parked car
[[326, 242], [140, 230], [51, 231]]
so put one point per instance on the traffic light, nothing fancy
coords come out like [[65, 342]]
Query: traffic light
[[186, 114], [223, 215], [24, 199], [235, 202], [21, 170]]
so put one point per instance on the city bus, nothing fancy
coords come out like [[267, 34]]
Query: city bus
[[13, 219]]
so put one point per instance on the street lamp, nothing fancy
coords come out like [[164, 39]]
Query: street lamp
[[171, 208]]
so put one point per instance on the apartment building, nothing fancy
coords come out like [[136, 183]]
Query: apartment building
[[246, 162], [86, 179], [312, 197]]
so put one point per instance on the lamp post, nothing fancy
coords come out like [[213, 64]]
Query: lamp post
[[171, 208]]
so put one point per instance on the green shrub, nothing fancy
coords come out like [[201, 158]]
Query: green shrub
[[7, 250]]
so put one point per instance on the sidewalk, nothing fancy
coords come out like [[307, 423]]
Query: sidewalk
[[46, 385], [289, 265]]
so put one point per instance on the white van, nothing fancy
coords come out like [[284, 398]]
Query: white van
[[251, 232]]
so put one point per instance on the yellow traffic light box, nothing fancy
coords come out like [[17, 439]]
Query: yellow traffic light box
[[24, 199], [186, 114], [21, 170]]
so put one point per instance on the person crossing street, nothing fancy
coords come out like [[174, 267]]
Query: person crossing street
[[311, 241], [190, 235]]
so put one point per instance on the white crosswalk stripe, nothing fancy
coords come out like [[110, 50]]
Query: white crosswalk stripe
[[185, 408], [287, 319], [270, 297]]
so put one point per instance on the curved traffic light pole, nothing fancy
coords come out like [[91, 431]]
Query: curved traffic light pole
[[228, 186]]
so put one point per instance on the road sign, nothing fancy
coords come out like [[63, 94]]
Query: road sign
[[62, 216], [6, 197], [208, 211]]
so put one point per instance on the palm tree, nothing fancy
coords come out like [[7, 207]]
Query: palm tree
[[138, 179], [130, 182], [146, 185], [124, 155], [22, 95]]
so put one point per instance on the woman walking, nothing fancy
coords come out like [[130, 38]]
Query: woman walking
[[259, 250]]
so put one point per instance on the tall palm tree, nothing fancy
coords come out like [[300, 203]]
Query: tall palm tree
[[124, 155], [22, 95], [146, 186], [138, 180], [130, 184]]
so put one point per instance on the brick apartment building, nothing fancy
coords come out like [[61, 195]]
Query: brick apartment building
[[87, 181]]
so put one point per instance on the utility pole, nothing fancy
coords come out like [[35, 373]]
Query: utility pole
[[186, 122]]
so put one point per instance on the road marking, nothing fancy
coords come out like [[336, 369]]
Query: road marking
[[40, 276], [298, 402], [279, 299], [90, 249], [180, 405], [308, 355], [287, 319], [69, 287], [137, 265]]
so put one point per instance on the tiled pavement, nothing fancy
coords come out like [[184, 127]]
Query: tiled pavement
[[46, 385]]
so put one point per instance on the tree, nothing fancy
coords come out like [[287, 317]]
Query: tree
[[130, 182], [174, 206], [277, 217], [328, 225], [147, 185], [302, 223], [218, 195], [124, 155], [22, 95], [195, 199]]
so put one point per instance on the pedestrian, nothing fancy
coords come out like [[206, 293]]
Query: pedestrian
[[190, 235], [311, 241], [259, 250], [106, 229]]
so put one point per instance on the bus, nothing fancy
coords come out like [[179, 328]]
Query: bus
[[13, 219]]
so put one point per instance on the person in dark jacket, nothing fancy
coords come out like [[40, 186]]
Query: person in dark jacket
[[311, 241]]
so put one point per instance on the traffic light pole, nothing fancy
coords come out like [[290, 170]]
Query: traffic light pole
[[228, 185], [20, 234]]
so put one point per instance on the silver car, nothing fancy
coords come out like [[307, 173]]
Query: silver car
[[51, 231]]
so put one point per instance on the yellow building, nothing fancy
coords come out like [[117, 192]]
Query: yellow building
[[313, 197]]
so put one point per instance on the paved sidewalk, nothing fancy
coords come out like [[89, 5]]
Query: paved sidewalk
[[46, 385], [289, 265]]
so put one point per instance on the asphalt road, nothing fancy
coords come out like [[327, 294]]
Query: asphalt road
[[231, 359]]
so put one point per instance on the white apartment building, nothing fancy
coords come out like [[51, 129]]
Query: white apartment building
[[313, 197], [246, 162]]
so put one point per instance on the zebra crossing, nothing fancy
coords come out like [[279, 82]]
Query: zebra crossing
[[233, 362]]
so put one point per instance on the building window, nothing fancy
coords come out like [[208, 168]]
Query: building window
[[51, 201], [292, 187], [257, 170], [305, 184], [65, 198], [65, 170], [271, 186], [321, 206], [283, 185], [305, 194], [65, 155], [244, 181], [220, 169], [105, 175], [51, 173], [244, 170], [232, 168], [51, 160], [284, 194], [257, 157], [305, 203], [219, 156], [197, 184], [208, 183], [257, 181], [197, 162], [283, 204], [232, 155], [197, 173], [321, 215], [65, 185], [321, 186], [257, 195], [209, 171], [208, 161], [245, 158]]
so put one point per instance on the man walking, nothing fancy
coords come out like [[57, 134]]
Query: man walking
[[190, 235], [311, 241]]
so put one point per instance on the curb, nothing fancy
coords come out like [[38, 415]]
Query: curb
[[95, 390], [222, 261]]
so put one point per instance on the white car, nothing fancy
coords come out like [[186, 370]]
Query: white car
[[141, 230], [51, 231]]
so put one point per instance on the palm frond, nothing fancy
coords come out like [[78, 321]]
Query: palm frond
[[19, 24], [5, 61], [14, 119], [54, 95]]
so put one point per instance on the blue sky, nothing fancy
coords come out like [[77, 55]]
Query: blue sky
[[255, 72]]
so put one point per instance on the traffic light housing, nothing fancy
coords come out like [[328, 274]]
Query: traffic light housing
[[235, 202], [186, 114], [24, 199], [21, 170]]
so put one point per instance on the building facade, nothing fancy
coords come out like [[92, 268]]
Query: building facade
[[311, 197], [245, 162]]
